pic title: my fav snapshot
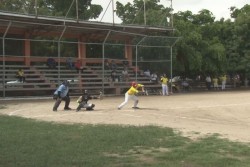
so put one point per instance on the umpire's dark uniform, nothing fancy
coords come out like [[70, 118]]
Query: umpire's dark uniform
[[62, 93]]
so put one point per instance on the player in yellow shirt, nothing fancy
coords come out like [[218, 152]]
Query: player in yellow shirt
[[164, 84], [20, 75], [215, 83], [223, 82], [131, 94]]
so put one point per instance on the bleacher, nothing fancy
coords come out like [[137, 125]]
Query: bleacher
[[42, 81]]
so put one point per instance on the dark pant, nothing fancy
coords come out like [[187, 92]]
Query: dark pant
[[59, 100], [208, 85], [21, 78], [79, 69]]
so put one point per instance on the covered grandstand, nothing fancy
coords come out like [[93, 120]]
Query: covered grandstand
[[22, 38]]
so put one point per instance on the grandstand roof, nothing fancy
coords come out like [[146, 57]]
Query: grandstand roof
[[97, 30]]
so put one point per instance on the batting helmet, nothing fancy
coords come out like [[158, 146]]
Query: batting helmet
[[134, 84]]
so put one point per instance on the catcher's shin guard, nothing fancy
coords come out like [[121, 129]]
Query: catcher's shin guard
[[79, 107]]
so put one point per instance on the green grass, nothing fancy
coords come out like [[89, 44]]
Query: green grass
[[30, 143]]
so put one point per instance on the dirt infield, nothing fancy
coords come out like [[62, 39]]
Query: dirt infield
[[226, 113]]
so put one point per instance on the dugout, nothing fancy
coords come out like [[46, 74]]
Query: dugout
[[23, 38]]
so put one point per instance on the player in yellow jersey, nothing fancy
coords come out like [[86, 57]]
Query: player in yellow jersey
[[223, 82], [131, 94], [164, 83]]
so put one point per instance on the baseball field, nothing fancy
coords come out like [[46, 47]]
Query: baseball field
[[193, 114]]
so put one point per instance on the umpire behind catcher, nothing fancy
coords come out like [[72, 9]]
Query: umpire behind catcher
[[62, 93]]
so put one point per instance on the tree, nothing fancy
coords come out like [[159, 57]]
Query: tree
[[243, 29], [188, 51], [57, 8], [204, 17], [134, 13]]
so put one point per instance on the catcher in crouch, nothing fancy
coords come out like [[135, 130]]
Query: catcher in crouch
[[131, 94], [83, 101]]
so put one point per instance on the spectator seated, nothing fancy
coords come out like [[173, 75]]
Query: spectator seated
[[69, 63], [51, 63], [154, 78], [20, 75], [78, 66]]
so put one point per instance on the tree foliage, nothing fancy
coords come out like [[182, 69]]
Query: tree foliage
[[58, 8], [206, 45], [134, 13]]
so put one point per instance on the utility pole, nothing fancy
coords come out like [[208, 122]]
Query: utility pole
[[145, 18]]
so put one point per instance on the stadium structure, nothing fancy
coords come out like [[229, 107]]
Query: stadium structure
[[24, 35]]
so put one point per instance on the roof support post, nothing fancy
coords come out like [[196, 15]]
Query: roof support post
[[77, 14], [103, 58], [136, 57], [171, 64], [5, 33], [59, 53], [82, 49], [145, 18], [27, 49], [36, 13], [113, 14], [128, 51]]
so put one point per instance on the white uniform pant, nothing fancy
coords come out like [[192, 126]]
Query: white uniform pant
[[127, 98], [223, 85], [164, 89]]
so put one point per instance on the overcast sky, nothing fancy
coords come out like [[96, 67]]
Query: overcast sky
[[219, 8]]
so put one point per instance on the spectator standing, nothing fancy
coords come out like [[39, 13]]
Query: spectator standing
[[215, 83], [106, 64], [147, 73], [125, 63], [236, 80], [20, 75], [114, 76], [164, 84], [154, 78], [198, 80], [70, 63], [185, 85], [78, 66], [223, 82], [113, 65], [208, 82], [62, 93], [125, 75]]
